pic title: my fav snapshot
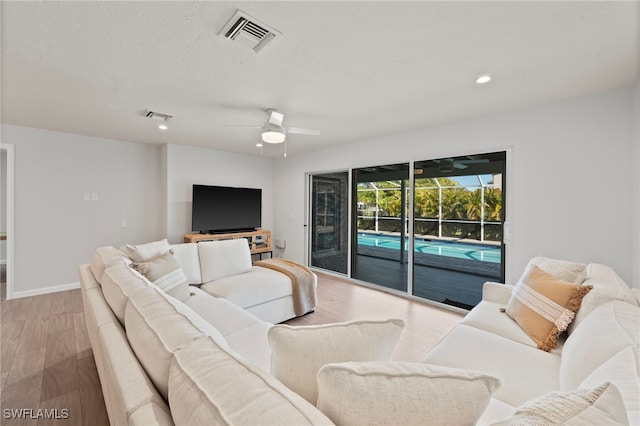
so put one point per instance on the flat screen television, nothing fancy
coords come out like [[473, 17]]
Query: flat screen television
[[219, 209]]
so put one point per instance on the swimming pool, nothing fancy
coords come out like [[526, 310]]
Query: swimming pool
[[480, 252]]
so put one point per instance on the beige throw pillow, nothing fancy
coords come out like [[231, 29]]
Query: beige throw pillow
[[144, 252], [600, 406], [395, 393], [165, 272], [544, 306], [299, 352]]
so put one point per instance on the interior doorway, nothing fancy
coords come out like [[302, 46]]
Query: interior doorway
[[6, 220]]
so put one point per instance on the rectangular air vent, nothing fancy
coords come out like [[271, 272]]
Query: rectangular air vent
[[249, 31]]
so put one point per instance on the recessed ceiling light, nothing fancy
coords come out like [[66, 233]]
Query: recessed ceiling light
[[483, 79], [259, 144], [163, 126]]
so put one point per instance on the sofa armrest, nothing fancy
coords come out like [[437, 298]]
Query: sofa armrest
[[496, 292]]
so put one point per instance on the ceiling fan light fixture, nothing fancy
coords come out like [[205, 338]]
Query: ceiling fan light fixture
[[273, 134], [483, 79]]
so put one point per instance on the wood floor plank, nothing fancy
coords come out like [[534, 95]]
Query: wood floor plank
[[34, 336], [65, 409], [22, 394], [59, 378], [62, 321], [26, 364], [60, 346]]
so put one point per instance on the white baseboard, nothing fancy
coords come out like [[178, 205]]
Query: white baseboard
[[45, 290]]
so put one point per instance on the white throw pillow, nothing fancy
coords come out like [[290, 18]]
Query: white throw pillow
[[564, 270], [600, 406], [144, 252], [607, 286], [299, 352], [220, 259], [394, 393], [119, 281]]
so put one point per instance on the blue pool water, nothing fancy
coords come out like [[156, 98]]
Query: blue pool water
[[458, 250]]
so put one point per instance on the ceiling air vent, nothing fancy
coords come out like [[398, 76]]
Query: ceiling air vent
[[249, 31]]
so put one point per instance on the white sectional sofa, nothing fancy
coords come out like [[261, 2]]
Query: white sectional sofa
[[603, 345], [206, 360]]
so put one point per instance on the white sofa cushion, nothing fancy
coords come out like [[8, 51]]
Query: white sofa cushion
[[605, 347], [392, 393], [187, 256], [144, 252], [564, 270], [219, 259], [525, 372], [118, 283], [299, 352], [156, 328], [607, 286], [252, 288], [165, 272], [600, 406], [105, 257], [209, 385]]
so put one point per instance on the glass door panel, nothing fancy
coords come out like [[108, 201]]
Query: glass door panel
[[329, 221], [458, 227], [380, 198]]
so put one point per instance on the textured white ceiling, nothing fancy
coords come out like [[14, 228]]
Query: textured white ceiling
[[354, 70]]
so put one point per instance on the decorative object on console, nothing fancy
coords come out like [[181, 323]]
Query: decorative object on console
[[544, 306], [299, 352]]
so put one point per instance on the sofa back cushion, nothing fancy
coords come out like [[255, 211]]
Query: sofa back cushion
[[105, 257], [156, 326], [210, 385], [298, 352], [219, 259], [187, 256], [129, 394], [118, 283], [564, 270], [605, 348], [607, 286]]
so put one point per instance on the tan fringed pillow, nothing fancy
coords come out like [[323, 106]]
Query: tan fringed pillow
[[544, 306]]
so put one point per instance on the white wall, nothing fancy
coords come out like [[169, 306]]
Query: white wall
[[635, 213], [3, 203], [187, 165], [55, 229], [569, 193]]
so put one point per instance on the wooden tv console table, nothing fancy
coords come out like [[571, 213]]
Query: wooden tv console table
[[259, 240]]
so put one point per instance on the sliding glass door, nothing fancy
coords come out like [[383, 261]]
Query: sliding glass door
[[380, 225], [329, 221], [457, 227]]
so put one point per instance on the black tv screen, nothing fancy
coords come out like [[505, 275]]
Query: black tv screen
[[225, 209]]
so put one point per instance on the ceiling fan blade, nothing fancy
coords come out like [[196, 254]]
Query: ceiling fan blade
[[275, 117], [458, 165], [243, 125], [300, 131], [477, 161]]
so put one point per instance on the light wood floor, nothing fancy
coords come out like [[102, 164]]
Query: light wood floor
[[46, 359], [47, 362]]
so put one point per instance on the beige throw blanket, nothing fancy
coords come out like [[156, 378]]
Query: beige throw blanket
[[304, 295]]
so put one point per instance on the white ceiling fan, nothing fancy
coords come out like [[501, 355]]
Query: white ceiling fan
[[273, 130]]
